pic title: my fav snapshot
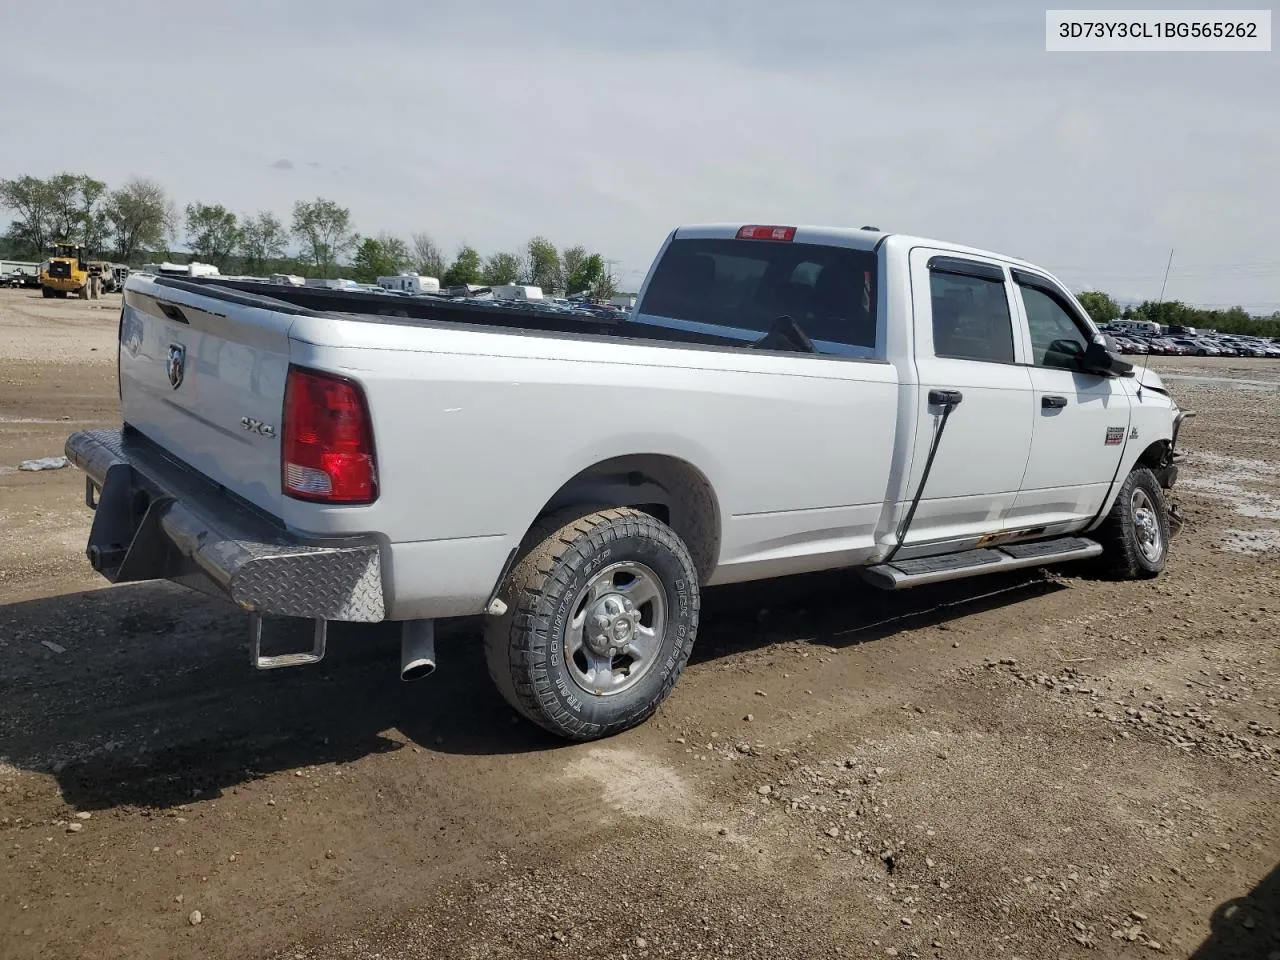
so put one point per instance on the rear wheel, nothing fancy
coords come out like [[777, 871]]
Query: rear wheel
[[46, 292], [602, 610], [1135, 535]]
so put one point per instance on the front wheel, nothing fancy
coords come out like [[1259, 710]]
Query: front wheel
[[1135, 535], [601, 614]]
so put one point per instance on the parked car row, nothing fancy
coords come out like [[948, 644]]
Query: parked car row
[[1201, 345]]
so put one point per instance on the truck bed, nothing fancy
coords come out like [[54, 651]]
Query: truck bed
[[426, 310]]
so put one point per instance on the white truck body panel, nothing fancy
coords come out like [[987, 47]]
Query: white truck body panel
[[232, 362], [809, 460]]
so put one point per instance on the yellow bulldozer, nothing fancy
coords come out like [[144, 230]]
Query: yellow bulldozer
[[66, 271]]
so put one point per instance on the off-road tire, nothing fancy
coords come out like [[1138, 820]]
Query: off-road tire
[[524, 646], [1122, 555]]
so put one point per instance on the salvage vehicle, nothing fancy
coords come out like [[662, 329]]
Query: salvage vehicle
[[782, 400]]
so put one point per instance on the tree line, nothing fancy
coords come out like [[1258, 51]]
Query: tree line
[[1103, 309], [139, 221]]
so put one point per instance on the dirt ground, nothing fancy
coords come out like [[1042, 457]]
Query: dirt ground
[[1039, 766]]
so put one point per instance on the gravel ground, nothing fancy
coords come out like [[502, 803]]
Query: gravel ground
[[1030, 767]]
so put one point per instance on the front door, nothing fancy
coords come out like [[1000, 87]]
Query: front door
[[1081, 419], [964, 340]]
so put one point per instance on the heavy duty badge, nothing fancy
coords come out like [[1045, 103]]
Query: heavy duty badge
[[1115, 435]]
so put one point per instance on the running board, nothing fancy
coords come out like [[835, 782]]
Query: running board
[[902, 574]]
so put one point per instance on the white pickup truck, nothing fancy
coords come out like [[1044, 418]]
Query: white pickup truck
[[781, 400]]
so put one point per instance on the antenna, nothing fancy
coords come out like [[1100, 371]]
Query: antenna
[[1146, 358], [1166, 276]]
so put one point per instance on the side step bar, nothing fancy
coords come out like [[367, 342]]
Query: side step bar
[[902, 574]]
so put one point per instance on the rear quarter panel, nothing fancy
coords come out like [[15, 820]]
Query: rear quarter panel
[[476, 431]]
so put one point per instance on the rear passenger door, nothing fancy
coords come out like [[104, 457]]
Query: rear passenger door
[[965, 341], [1081, 419]]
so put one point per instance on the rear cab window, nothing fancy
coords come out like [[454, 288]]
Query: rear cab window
[[740, 288], [971, 318]]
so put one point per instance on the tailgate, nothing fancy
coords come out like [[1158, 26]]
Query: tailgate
[[204, 378]]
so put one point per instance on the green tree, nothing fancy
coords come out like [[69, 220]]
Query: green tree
[[64, 195], [587, 274], [32, 202], [323, 230], [1100, 307], [213, 233], [606, 284], [427, 256], [544, 265], [380, 256], [466, 268], [139, 214], [501, 268], [66, 206], [93, 214], [571, 264], [263, 240], [1165, 312]]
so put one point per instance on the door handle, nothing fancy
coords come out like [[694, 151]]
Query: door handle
[[945, 398], [1052, 403]]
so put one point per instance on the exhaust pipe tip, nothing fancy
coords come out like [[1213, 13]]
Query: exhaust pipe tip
[[417, 670], [417, 649]]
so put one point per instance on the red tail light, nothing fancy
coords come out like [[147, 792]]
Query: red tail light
[[757, 232], [326, 450]]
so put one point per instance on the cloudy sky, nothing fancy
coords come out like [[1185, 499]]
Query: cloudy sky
[[606, 123]]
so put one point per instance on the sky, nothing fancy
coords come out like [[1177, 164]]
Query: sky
[[608, 123]]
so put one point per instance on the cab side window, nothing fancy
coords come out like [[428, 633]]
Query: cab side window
[[971, 318], [1057, 339]]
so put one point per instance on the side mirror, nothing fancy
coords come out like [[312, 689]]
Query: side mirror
[[1065, 354], [1099, 360]]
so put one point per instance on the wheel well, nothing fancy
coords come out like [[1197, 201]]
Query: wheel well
[[1156, 455], [667, 488]]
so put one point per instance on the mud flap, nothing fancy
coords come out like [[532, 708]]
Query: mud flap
[[126, 543]]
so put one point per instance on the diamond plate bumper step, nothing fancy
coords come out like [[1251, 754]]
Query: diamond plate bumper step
[[158, 519]]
